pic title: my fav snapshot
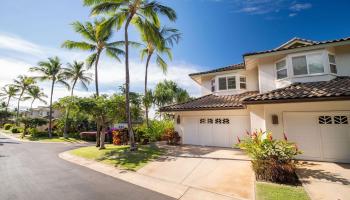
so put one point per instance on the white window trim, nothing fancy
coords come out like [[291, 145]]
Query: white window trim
[[239, 82], [286, 67], [225, 76], [307, 65]]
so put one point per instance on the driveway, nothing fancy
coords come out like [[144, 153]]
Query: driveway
[[326, 181], [31, 171], [221, 171]]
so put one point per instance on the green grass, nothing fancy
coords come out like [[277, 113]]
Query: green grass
[[120, 156], [270, 191], [53, 139]]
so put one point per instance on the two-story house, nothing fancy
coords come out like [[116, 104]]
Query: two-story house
[[301, 88]]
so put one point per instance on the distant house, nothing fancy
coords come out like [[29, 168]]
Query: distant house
[[42, 112], [301, 88]]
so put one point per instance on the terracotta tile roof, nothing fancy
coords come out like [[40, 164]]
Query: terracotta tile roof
[[211, 102], [312, 43], [222, 69], [335, 89]]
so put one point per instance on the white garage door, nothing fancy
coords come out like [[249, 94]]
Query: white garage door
[[214, 130], [320, 135]]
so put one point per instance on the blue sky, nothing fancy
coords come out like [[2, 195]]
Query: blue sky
[[215, 33]]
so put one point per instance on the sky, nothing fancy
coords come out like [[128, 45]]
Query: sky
[[215, 33]]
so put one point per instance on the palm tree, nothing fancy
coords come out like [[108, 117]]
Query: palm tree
[[124, 12], [8, 91], [22, 83], [76, 73], [96, 36], [35, 93], [156, 41], [50, 70]]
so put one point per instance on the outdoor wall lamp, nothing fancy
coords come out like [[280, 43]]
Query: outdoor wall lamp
[[178, 121], [274, 119]]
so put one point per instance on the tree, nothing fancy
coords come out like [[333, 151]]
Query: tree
[[50, 70], [96, 37], [76, 73], [168, 92], [22, 83], [124, 12], [156, 41], [35, 93], [8, 92]]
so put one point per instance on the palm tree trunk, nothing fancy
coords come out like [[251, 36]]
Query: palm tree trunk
[[96, 71], [146, 79], [8, 103], [31, 105], [19, 100], [127, 81], [50, 114], [65, 135], [103, 134]]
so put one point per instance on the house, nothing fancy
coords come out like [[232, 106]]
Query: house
[[42, 112], [301, 88]]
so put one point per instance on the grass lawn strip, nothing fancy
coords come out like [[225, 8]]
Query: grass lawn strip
[[120, 156], [271, 191]]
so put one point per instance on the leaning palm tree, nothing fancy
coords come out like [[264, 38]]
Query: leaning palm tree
[[75, 73], [50, 70], [124, 12], [8, 92], [35, 93], [97, 39], [22, 83], [156, 42]]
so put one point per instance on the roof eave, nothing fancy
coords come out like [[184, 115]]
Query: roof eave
[[204, 109], [297, 100]]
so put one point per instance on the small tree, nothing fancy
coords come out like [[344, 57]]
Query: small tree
[[31, 123]]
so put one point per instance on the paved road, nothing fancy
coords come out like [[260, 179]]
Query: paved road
[[33, 171]]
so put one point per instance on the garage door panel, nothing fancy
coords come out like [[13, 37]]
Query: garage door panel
[[190, 131], [239, 125], [205, 134], [336, 142]]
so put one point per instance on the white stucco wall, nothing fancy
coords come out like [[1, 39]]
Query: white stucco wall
[[343, 60], [206, 87], [278, 109]]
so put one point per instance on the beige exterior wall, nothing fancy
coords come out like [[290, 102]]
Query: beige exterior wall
[[343, 60], [267, 110]]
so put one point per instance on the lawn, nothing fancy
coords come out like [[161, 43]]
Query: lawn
[[270, 191], [53, 139], [120, 156]]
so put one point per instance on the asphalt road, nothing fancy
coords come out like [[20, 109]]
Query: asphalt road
[[33, 171]]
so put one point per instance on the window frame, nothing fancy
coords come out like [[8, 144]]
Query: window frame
[[308, 63], [330, 63], [240, 82], [285, 68], [226, 77]]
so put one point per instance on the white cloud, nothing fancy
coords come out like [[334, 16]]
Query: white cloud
[[292, 14], [111, 73], [300, 6]]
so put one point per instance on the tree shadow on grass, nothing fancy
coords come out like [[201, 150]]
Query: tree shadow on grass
[[131, 160]]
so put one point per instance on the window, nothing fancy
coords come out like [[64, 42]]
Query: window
[[226, 121], [227, 83], [281, 69], [332, 65], [202, 121], [299, 65], [222, 83], [217, 121], [325, 120], [213, 85], [242, 82], [210, 121], [310, 64], [340, 120]]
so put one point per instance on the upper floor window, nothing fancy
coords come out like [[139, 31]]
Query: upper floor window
[[212, 85], [227, 83], [332, 64], [309, 64], [242, 82], [281, 69]]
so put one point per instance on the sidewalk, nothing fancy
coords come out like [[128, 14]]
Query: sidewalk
[[172, 189]]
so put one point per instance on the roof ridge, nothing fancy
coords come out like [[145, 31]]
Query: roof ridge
[[195, 99], [219, 69]]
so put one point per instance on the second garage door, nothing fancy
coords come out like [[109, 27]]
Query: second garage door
[[321, 136], [214, 130]]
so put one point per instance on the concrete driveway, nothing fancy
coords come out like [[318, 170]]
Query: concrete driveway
[[221, 171], [325, 181]]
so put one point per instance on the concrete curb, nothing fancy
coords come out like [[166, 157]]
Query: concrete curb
[[171, 189]]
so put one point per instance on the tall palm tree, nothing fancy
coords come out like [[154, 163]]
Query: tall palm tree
[[35, 93], [8, 92], [96, 40], [75, 73], [125, 12], [50, 70], [22, 83], [156, 41]]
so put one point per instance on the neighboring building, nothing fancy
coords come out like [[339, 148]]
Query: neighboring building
[[301, 88], [43, 112]]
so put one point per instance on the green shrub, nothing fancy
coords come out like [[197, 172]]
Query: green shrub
[[155, 131], [33, 132], [272, 159], [8, 126], [16, 129]]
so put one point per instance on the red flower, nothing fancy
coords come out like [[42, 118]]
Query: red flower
[[285, 137], [270, 137], [247, 132], [239, 140]]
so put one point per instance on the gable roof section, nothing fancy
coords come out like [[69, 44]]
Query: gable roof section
[[335, 89], [296, 42], [222, 69], [211, 102], [313, 43]]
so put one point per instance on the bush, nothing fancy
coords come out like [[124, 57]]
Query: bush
[[171, 136], [33, 132], [272, 159], [16, 129], [155, 131], [8, 126], [88, 136]]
